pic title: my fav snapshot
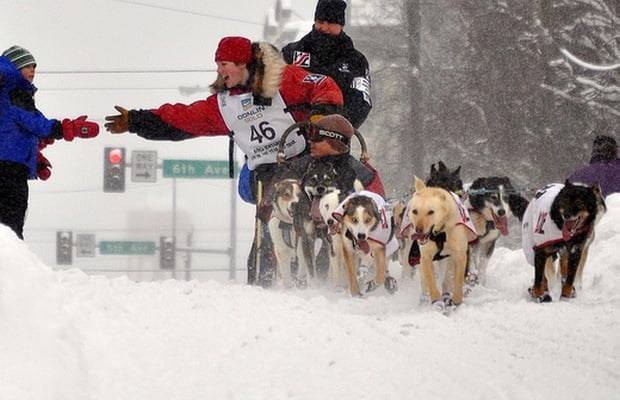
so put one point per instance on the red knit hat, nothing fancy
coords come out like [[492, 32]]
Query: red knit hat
[[235, 49]]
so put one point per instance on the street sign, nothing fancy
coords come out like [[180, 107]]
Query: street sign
[[143, 166], [123, 247], [205, 169], [84, 245]]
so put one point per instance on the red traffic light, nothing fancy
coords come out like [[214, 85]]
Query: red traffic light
[[116, 156]]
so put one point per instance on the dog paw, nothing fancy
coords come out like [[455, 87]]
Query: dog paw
[[472, 279], [301, 282], [370, 286], [544, 298], [362, 271], [391, 285], [446, 298], [438, 305], [568, 292]]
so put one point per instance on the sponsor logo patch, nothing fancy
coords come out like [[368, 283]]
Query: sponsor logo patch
[[315, 78], [301, 59]]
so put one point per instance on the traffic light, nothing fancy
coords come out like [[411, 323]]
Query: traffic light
[[167, 252], [64, 247], [114, 169]]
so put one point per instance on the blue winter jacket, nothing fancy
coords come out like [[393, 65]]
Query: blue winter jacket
[[20, 129]]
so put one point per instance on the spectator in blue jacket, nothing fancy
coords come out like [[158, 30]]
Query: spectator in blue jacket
[[604, 166], [25, 131]]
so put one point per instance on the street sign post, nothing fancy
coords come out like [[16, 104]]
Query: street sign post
[[143, 166], [204, 169], [126, 248]]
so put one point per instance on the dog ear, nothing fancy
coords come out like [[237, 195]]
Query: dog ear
[[419, 184], [596, 189]]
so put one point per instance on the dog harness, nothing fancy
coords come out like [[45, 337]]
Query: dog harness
[[538, 230], [384, 232], [464, 219]]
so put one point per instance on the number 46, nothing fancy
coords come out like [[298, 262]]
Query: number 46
[[262, 132]]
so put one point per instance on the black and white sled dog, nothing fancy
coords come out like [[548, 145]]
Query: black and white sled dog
[[490, 201], [319, 179], [559, 223]]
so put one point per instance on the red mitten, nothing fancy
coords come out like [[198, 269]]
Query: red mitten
[[44, 166], [79, 127], [43, 143]]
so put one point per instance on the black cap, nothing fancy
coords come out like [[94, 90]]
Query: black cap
[[331, 11]]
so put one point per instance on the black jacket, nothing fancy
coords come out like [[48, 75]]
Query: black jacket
[[335, 56]]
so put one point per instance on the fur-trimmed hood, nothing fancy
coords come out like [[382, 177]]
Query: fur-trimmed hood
[[265, 72]]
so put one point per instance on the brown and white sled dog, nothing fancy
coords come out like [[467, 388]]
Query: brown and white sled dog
[[491, 201], [559, 223], [443, 230], [284, 197], [366, 231]]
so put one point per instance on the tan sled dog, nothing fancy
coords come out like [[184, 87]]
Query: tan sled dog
[[443, 229]]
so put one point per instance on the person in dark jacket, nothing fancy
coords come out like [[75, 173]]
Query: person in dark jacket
[[330, 142], [255, 98], [328, 50], [25, 131], [604, 166]]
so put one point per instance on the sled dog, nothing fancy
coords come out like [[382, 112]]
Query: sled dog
[[443, 230], [285, 196], [491, 201], [366, 231], [559, 223], [442, 177]]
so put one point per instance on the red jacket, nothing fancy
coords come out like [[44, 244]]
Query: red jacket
[[305, 93]]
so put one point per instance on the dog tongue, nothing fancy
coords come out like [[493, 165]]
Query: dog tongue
[[501, 223], [364, 246], [315, 211], [568, 229]]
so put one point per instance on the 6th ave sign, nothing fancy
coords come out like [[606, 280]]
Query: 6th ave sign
[[206, 169]]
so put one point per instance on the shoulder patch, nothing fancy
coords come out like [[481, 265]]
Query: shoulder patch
[[315, 78], [301, 59]]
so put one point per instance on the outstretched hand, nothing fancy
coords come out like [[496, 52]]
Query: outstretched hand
[[118, 123]]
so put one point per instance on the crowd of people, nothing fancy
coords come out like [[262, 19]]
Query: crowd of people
[[259, 92]]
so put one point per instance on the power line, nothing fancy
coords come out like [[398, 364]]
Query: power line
[[189, 12], [124, 71]]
